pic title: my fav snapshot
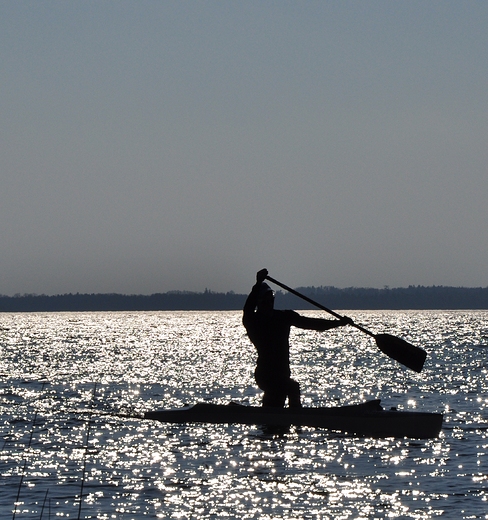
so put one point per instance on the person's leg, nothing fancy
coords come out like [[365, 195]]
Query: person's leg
[[294, 394], [274, 398], [275, 388]]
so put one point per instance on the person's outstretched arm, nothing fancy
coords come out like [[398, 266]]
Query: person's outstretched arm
[[320, 324]]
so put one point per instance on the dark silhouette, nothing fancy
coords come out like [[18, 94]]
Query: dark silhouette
[[269, 330]]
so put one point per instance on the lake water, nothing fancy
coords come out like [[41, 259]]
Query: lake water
[[75, 385]]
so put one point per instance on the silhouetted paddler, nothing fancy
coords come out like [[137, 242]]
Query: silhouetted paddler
[[269, 331]]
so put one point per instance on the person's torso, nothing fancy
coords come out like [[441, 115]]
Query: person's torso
[[270, 335]]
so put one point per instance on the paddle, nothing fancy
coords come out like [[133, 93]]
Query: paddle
[[395, 348]]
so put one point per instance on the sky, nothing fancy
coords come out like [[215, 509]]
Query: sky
[[151, 146]]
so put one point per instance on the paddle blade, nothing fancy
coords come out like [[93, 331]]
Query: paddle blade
[[403, 352]]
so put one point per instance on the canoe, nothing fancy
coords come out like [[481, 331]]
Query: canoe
[[368, 419]]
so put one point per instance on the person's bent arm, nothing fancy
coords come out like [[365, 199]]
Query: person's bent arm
[[252, 299]]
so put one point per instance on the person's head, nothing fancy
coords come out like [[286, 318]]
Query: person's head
[[265, 298]]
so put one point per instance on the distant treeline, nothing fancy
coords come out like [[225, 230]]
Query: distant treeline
[[413, 297]]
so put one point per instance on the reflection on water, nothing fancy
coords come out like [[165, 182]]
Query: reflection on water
[[74, 388]]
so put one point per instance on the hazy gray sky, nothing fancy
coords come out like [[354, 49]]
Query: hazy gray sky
[[147, 146]]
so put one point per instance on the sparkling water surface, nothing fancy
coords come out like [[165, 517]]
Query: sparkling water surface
[[74, 388]]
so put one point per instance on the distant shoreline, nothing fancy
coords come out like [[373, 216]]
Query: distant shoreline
[[354, 298]]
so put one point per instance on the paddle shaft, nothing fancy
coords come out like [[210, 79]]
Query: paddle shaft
[[316, 304]]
